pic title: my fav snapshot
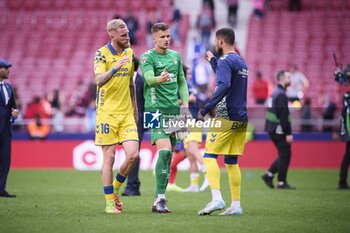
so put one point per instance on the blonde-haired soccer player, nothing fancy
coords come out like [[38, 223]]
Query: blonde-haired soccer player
[[230, 100], [116, 109]]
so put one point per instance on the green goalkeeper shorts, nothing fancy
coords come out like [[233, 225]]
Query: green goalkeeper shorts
[[159, 133]]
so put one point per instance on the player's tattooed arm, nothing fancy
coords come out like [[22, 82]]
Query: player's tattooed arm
[[102, 79]]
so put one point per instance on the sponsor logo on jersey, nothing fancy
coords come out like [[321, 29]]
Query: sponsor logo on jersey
[[143, 60], [243, 73]]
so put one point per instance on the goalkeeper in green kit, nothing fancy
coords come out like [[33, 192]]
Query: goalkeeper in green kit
[[164, 81]]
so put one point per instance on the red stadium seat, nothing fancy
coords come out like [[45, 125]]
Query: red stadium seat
[[46, 5], [60, 4], [15, 5], [59, 39], [107, 4], [287, 38], [137, 5], [91, 4], [152, 5], [76, 5], [30, 5]]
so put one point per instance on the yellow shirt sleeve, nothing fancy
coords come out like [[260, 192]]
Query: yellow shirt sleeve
[[100, 63]]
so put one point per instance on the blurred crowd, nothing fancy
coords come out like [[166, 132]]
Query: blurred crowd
[[49, 113], [54, 113]]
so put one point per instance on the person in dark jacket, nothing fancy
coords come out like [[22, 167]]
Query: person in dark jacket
[[345, 135], [8, 113], [279, 128]]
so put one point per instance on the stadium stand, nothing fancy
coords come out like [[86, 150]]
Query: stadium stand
[[307, 38], [52, 43]]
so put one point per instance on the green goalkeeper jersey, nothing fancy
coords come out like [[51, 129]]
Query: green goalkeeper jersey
[[164, 96]]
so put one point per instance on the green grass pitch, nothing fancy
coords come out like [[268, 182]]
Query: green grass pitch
[[72, 201]]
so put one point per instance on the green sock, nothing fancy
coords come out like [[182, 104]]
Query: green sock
[[168, 168], [162, 170]]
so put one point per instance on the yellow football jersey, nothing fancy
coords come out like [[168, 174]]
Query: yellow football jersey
[[114, 96]]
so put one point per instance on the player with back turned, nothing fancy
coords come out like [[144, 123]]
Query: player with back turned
[[230, 100]]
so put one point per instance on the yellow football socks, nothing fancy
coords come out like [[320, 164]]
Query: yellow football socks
[[108, 191], [234, 177], [117, 182], [109, 197], [116, 186], [194, 178], [213, 172]]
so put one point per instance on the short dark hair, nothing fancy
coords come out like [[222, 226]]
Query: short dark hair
[[159, 27], [280, 74], [227, 34]]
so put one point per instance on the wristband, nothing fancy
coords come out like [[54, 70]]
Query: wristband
[[113, 70]]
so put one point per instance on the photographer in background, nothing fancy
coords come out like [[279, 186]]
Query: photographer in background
[[345, 135], [342, 76]]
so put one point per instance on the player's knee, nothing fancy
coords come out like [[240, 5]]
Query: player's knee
[[164, 158], [133, 156], [108, 152], [109, 159]]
